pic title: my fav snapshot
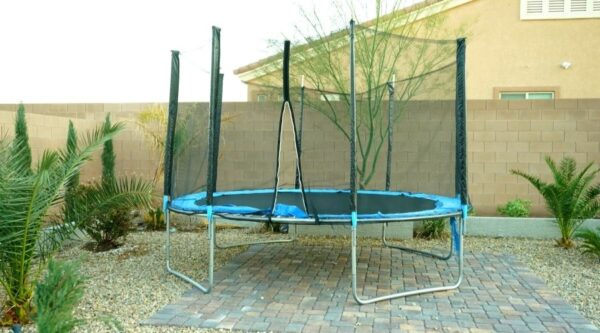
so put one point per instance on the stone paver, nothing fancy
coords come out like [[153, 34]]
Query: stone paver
[[293, 288]]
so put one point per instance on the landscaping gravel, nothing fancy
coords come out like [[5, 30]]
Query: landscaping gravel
[[130, 283]]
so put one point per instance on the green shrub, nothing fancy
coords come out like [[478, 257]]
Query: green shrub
[[433, 229], [56, 297], [515, 208], [107, 204], [154, 219], [571, 198], [591, 241]]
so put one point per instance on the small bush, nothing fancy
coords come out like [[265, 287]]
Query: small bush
[[515, 208], [433, 229], [155, 219], [591, 241], [57, 295]]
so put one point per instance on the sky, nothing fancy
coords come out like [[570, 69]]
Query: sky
[[116, 51]]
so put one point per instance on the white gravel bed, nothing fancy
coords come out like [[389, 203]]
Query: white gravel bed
[[130, 283]]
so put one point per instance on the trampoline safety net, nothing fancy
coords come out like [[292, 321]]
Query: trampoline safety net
[[408, 136]]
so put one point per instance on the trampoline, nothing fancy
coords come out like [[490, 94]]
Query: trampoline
[[393, 152], [332, 206]]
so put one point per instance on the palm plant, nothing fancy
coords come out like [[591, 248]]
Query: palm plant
[[591, 241], [104, 207], [571, 199], [25, 198]]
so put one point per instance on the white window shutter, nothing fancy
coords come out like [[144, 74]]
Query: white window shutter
[[559, 9]]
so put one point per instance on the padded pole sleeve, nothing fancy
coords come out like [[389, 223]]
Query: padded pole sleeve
[[214, 105], [461, 124], [353, 189], [390, 135], [286, 71], [173, 101]]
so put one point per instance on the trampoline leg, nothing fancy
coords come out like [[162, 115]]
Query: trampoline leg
[[411, 250], [211, 255], [285, 240], [363, 301]]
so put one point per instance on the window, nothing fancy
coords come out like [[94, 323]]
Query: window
[[512, 95], [559, 9], [261, 98]]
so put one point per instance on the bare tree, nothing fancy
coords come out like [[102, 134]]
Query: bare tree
[[396, 45]]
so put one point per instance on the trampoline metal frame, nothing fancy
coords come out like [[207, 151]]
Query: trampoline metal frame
[[460, 258], [212, 244]]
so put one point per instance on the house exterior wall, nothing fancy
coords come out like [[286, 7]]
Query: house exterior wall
[[504, 51]]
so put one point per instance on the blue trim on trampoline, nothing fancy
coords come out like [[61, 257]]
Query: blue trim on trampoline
[[187, 203]]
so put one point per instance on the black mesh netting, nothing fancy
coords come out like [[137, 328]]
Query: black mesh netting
[[406, 121]]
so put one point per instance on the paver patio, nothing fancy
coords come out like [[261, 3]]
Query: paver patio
[[294, 288]]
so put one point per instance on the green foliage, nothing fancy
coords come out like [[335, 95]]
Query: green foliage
[[56, 297], [108, 157], [591, 241], [433, 229], [155, 219], [107, 208], [25, 199], [515, 208], [73, 182], [571, 198], [20, 144]]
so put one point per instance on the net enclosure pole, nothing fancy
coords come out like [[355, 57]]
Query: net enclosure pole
[[390, 134], [169, 149], [213, 121], [300, 130], [461, 124], [172, 119], [353, 186]]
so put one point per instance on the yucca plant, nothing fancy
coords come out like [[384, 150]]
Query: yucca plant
[[56, 297], [591, 241], [25, 198], [571, 198]]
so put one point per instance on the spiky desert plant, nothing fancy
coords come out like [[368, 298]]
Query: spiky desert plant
[[591, 241], [108, 157], [25, 199], [571, 198], [20, 144], [73, 183], [56, 297]]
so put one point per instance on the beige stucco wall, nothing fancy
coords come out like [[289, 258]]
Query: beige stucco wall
[[502, 136], [47, 128], [505, 51]]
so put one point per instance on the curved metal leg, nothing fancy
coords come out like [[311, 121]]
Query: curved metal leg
[[411, 250], [362, 301], [211, 253], [286, 240]]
